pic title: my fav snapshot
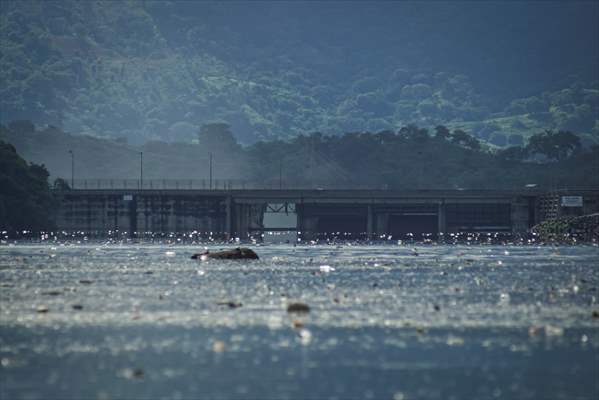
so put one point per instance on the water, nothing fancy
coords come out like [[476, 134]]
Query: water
[[385, 322]]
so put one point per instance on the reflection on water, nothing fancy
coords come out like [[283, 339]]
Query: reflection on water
[[386, 321]]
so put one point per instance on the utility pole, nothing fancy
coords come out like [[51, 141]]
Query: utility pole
[[210, 185], [141, 170], [72, 169]]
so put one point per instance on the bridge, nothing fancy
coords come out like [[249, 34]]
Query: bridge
[[238, 213]]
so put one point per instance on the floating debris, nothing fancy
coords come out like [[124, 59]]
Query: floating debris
[[42, 309], [231, 304], [297, 324], [551, 330], [218, 346], [135, 373], [77, 307], [299, 308], [326, 268], [86, 281], [533, 331], [305, 336], [52, 293]]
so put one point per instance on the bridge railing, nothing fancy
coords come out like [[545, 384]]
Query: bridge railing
[[195, 184], [240, 184]]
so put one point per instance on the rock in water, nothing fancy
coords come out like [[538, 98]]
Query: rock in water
[[299, 308], [239, 253]]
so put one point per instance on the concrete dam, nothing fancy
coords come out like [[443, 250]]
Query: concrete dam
[[314, 213]]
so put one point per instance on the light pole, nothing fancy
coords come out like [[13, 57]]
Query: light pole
[[210, 183], [280, 174], [141, 170], [72, 169]]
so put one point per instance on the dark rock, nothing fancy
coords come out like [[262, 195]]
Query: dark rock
[[138, 373], [77, 307], [299, 308], [230, 304], [595, 314], [437, 308], [52, 293], [239, 253]]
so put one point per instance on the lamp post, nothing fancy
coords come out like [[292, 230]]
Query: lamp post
[[72, 169], [210, 183], [141, 170]]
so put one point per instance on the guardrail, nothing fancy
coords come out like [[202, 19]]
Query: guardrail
[[195, 184], [240, 184]]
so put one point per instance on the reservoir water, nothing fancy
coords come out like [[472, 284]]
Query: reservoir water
[[106, 321]]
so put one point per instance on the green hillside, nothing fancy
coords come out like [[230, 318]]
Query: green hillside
[[159, 70]]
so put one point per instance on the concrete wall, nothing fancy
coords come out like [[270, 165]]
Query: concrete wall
[[138, 213], [240, 213]]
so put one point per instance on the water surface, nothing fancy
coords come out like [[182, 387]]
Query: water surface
[[397, 322]]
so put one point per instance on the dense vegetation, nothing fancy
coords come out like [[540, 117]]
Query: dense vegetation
[[409, 158], [158, 70], [25, 199]]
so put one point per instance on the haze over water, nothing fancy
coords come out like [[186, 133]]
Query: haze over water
[[386, 321]]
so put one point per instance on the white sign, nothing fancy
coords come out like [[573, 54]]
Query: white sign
[[128, 197], [571, 201]]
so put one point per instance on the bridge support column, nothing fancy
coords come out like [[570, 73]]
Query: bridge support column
[[133, 217], [519, 215], [228, 218], [442, 218], [370, 222]]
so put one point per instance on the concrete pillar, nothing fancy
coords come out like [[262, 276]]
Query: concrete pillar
[[382, 224], [370, 222], [299, 211], [442, 218], [133, 217], [229, 231], [519, 215]]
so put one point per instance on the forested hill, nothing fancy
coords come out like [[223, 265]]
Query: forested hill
[[158, 70]]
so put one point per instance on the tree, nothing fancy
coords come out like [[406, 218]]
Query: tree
[[513, 153], [442, 132], [25, 199], [464, 139], [555, 146], [414, 133], [217, 137]]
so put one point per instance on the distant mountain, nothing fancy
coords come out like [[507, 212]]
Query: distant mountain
[[158, 70]]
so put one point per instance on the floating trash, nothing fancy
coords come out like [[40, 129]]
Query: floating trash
[[305, 336], [299, 308], [326, 268], [218, 346]]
